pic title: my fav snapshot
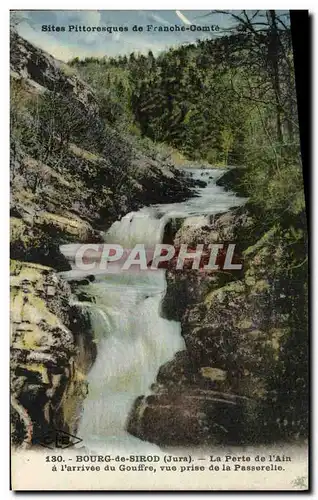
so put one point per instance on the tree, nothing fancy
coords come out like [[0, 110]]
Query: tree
[[268, 39], [227, 141]]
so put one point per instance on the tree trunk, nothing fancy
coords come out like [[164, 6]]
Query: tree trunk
[[273, 55]]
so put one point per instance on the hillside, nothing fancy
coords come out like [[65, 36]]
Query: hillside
[[72, 173]]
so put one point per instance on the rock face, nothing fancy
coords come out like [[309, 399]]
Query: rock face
[[52, 350], [232, 179], [220, 389], [42, 71]]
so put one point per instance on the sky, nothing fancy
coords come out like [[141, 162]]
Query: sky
[[67, 45]]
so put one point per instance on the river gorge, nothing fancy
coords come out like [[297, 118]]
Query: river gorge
[[141, 360], [132, 336]]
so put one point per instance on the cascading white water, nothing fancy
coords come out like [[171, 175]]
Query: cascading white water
[[133, 339]]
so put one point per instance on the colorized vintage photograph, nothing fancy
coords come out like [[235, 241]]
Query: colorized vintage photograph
[[159, 255]]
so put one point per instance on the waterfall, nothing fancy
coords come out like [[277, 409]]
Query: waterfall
[[133, 339]]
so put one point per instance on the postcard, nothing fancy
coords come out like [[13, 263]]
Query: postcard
[[159, 254]]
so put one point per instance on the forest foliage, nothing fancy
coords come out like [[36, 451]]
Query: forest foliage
[[226, 101]]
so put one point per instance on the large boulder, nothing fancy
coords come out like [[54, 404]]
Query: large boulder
[[51, 352], [219, 389]]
